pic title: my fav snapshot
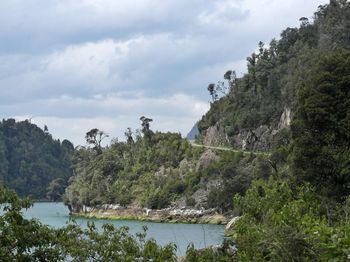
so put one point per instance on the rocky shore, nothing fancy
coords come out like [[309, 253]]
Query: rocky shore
[[169, 215]]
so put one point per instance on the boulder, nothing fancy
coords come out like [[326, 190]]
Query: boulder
[[215, 136]]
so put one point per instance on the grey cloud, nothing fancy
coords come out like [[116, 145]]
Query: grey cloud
[[34, 26], [67, 59], [110, 106]]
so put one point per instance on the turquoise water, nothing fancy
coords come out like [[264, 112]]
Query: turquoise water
[[56, 215]]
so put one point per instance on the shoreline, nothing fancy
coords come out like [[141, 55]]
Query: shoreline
[[168, 215]]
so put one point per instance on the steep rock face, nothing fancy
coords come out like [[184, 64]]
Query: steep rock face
[[259, 139], [215, 136], [285, 119]]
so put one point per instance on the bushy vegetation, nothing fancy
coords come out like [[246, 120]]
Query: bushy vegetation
[[321, 126], [28, 240], [282, 221], [31, 159], [306, 217], [155, 169], [233, 173], [150, 169], [301, 212]]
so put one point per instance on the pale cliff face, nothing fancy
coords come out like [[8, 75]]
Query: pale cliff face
[[285, 118], [259, 139]]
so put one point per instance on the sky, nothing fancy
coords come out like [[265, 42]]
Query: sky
[[74, 65]]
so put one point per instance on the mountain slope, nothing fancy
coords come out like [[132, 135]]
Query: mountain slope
[[30, 158], [259, 105], [192, 135]]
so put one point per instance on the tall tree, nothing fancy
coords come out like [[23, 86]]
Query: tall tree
[[95, 137], [129, 136], [321, 126], [146, 130]]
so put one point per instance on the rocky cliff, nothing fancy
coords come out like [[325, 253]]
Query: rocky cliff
[[261, 138]]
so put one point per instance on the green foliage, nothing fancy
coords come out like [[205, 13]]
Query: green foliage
[[156, 198], [30, 159], [56, 189], [281, 222], [145, 170], [234, 171], [207, 254], [321, 126], [276, 72], [21, 239], [29, 240]]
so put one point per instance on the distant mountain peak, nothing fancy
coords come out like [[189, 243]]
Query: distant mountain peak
[[193, 133]]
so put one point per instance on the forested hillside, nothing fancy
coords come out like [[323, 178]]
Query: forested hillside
[[157, 170], [298, 89], [138, 169], [32, 162], [251, 112]]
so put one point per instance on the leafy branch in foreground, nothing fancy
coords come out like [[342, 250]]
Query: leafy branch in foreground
[[29, 240]]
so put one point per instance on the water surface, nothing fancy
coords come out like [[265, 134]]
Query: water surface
[[57, 215]]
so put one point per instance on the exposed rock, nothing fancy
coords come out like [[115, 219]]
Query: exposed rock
[[206, 159], [179, 203], [258, 139], [200, 197], [170, 214], [215, 136], [261, 138], [285, 119], [229, 229], [214, 183]]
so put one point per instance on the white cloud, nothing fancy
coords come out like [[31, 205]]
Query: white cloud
[[223, 13], [112, 113], [104, 63]]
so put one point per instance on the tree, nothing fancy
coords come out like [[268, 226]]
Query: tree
[[28, 240], [56, 189], [129, 136], [95, 137], [220, 87], [212, 92], [30, 158], [321, 126], [145, 123], [304, 21], [281, 221]]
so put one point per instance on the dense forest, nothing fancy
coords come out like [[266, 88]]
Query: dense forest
[[301, 212], [32, 162], [292, 202], [157, 170]]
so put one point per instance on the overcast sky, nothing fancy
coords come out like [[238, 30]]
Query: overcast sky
[[78, 64]]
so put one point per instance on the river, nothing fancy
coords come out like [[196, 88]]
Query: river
[[56, 215]]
